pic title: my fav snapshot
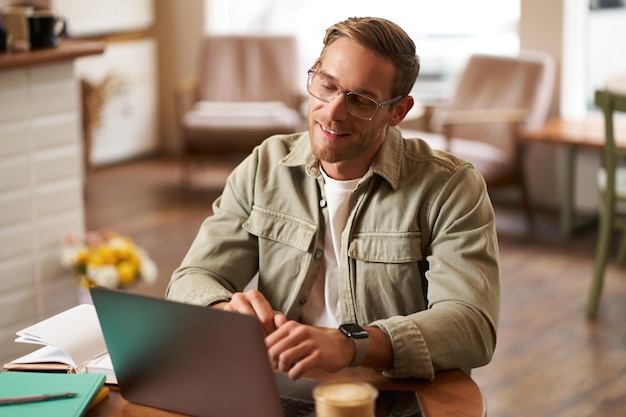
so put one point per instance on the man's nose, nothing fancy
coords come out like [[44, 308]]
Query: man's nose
[[337, 109]]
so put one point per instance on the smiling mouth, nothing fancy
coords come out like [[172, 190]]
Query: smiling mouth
[[331, 132]]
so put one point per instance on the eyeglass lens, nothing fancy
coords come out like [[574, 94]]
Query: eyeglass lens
[[325, 89]]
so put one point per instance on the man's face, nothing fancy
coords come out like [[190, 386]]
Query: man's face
[[346, 145]]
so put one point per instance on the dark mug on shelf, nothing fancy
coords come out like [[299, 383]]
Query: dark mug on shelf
[[3, 38], [45, 29]]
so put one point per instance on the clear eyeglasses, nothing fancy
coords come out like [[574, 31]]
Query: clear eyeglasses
[[358, 105]]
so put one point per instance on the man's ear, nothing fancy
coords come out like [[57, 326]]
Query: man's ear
[[400, 110]]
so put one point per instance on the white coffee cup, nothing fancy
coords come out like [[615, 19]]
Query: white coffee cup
[[16, 24], [345, 399]]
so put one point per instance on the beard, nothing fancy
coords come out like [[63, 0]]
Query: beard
[[345, 148]]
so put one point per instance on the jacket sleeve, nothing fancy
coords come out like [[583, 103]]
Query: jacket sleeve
[[223, 257], [458, 328]]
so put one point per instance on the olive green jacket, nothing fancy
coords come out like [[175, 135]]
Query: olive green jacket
[[419, 254]]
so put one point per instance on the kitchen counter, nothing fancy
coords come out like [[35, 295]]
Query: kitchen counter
[[41, 183]]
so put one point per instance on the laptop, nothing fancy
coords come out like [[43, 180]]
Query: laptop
[[194, 360], [206, 362]]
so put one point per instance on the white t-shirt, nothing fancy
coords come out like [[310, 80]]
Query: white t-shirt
[[322, 307]]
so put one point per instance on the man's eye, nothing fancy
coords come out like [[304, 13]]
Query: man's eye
[[362, 102], [330, 87]]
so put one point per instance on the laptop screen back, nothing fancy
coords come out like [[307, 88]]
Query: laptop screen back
[[185, 358]]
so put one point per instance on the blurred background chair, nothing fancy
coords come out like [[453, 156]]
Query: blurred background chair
[[612, 186], [493, 98], [246, 90]]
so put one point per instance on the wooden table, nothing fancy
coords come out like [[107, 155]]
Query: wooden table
[[573, 134], [452, 393]]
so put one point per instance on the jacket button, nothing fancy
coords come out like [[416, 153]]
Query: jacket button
[[322, 203], [318, 255]]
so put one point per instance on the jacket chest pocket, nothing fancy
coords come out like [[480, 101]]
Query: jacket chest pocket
[[285, 247], [285, 252], [281, 228], [386, 271], [388, 248]]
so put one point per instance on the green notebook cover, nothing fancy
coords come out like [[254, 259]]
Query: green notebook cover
[[17, 384]]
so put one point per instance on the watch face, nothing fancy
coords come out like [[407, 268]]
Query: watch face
[[353, 330]]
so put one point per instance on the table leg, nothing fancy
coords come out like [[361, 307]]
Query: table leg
[[569, 191], [571, 220]]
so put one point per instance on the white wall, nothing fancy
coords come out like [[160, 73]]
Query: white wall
[[128, 108], [541, 28], [126, 77], [103, 17]]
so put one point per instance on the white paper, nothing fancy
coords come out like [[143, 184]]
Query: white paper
[[102, 365], [73, 337]]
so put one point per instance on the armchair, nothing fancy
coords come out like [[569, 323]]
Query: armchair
[[246, 91], [494, 96]]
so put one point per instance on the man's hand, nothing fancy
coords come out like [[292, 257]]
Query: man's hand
[[295, 348], [253, 303]]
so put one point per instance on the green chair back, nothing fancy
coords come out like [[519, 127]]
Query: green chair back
[[612, 185]]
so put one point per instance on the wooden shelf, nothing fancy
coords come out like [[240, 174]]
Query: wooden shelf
[[67, 50]]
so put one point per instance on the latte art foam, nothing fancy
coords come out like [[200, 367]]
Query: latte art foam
[[345, 399]]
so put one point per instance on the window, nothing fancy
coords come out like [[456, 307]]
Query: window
[[607, 38]]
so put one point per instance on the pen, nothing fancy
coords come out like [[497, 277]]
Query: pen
[[36, 398]]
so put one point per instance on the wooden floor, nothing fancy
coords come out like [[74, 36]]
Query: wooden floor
[[550, 360]]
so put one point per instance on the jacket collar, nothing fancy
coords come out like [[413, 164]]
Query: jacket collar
[[386, 163]]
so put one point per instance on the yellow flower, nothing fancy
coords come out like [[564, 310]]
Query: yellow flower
[[95, 258], [107, 259], [107, 255], [127, 272]]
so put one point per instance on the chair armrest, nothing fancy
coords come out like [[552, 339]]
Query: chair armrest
[[419, 117], [185, 95], [461, 117]]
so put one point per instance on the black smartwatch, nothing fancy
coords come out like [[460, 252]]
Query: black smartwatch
[[360, 338]]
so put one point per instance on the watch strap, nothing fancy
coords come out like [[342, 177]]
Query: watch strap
[[360, 351]]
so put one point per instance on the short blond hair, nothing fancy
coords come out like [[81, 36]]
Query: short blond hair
[[385, 39]]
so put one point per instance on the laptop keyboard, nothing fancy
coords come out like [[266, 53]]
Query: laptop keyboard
[[293, 407]]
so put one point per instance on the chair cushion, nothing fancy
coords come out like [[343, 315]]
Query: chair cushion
[[492, 162], [236, 126]]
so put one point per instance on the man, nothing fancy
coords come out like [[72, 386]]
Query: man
[[350, 224]]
